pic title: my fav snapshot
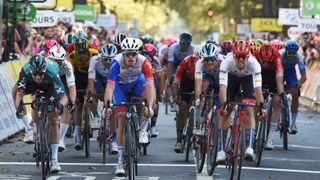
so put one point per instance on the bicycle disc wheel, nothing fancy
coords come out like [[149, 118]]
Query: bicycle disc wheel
[[259, 141], [237, 156], [189, 133], [212, 145]]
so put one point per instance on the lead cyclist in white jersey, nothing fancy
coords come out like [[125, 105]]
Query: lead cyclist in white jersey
[[58, 54]]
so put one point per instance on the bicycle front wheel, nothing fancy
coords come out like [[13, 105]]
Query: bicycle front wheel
[[237, 155], [130, 149], [285, 127], [200, 154], [260, 140], [213, 145], [189, 133], [86, 131]]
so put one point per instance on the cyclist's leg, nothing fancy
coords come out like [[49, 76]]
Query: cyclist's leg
[[64, 119], [247, 86], [199, 120], [291, 82]]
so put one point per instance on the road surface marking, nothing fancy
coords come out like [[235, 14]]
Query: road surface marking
[[298, 146]]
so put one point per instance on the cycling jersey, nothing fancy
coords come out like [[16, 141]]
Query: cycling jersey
[[67, 71], [51, 76], [252, 68], [124, 74], [71, 48], [97, 66], [183, 71], [291, 63], [94, 42], [276, 65], [175, 56], [77, 64], [156, 67]]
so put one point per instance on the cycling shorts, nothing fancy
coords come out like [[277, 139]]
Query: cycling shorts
[[81, 83], [269, 81], [213, 84], [234, 84], [186, 85], [100, 83], [290, 77]]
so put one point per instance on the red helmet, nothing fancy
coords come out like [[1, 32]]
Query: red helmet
[[49, 44], [241, 48], [266, 53], [150, 49], [277, 44], [226, 45]]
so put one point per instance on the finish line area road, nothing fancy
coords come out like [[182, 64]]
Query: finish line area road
[[301, 161]]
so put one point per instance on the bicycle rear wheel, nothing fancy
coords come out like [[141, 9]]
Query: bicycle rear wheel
[[130, 148], [212, 145], [237, 155]]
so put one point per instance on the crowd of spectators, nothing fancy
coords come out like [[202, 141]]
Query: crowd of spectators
[[310, 43]]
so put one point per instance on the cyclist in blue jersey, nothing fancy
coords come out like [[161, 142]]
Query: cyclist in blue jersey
[[290, 58]]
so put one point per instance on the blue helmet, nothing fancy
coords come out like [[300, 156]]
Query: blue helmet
[[79, 34], [185, 38], [291, 47]]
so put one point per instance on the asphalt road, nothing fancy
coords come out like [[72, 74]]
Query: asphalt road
[[301, 161]]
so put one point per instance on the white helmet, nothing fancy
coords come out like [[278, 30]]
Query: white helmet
[[119, 38], [130, 44], [209, 50], [57, 53], [109, 50]]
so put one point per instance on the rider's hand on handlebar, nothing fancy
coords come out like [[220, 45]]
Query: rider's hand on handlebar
[[198, 102]]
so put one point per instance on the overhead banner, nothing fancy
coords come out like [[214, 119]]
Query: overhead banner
[[288, 16], [66, 17], [310, 7], [243, 28], [107, 20], [84, 12], [308, 25], [265, 24], [45, 18]]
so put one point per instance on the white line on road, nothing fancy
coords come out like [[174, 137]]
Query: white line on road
[[299, 146], [167, 165]]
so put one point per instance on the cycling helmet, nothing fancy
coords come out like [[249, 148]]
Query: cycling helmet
[[37, 64], [241, 48], [49, 44], [109, 51], [277, 44], [226, 45], [147, 39], [198, 51], [79, 34], [209, 50], [68, 39], [185, 38], [57, 53], [266, 53], [150, 48], [259, 42], [130, 44], [119, 38], [169, 40], [291, 47], [81, 45]]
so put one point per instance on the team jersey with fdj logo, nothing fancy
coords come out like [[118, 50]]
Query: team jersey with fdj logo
[[51, 76], [252, 68], [97, 66], [67, 70], [291, 63], [77, 64], [124, 74], [175, 56]]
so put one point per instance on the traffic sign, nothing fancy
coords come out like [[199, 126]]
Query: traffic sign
[[26, 12]]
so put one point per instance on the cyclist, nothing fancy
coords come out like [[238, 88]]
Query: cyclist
[[276, 44], [240, 69], [290, 58], [177, 52], [40, 74], [184, 81], [206, 76], [226, 47], [98, 75], [117, 41], [147, 39], [80, 60], [67, 40], [272, 79], [59, 55], [92, 39], [149, 51], [129, 71]]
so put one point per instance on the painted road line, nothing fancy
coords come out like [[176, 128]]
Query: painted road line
[[298, 146]]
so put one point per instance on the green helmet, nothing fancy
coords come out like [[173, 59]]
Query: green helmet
[[37, 64]]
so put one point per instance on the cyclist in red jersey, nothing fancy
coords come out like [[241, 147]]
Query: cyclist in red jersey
[[185, 78], [272, 79]]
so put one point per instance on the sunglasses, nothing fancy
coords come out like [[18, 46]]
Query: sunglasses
[[184, 43], [38, 73], [207, 59], [239, 56], [131, 53], [81, 52], [290, 53], [106, 59]]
